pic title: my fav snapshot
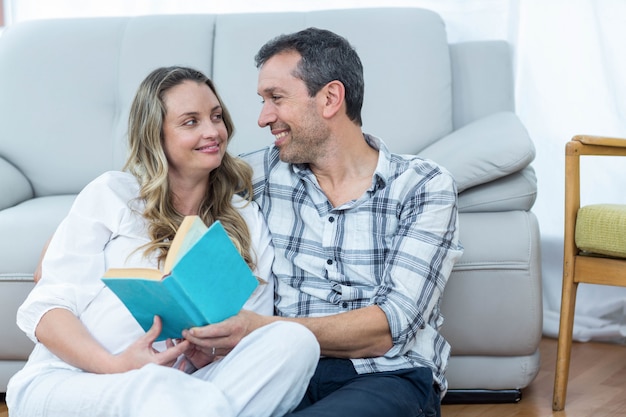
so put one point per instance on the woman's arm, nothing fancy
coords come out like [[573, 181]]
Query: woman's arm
[[37, 273], [78, 348]]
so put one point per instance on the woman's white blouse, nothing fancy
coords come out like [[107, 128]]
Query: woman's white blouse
[[105, 229]]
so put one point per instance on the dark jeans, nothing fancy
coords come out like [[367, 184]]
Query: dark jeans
[[337, 390]]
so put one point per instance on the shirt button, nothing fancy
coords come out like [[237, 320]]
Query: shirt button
[[329, 261], [331, 219], [344, 305]]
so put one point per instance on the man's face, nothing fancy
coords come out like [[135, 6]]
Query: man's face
[[293, 117]]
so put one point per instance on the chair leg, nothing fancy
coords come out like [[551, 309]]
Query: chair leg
[[566, 327]]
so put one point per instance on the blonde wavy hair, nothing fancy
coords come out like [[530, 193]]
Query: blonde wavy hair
[[148, 163]]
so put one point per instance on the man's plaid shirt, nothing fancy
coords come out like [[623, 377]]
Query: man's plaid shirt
[[394, 247]]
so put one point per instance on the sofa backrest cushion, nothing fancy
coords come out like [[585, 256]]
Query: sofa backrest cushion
[[66, 93], [408, 98], [482, 80], [68, 88]]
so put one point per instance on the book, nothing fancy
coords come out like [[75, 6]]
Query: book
[[204, 280]]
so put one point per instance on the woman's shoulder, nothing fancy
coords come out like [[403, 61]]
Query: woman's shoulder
[[250, 212], [245, 206], [116, 181], [109, 189]]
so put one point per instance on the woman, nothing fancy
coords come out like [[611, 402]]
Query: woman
[[91, 357]]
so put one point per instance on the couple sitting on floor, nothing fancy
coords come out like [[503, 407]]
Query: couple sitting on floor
[[355, 244]]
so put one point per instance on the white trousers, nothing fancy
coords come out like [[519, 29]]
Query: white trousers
[[265, 375]]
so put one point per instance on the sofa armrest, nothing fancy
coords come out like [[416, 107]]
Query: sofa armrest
[[517, 191], [14, 185], [14, 344], [483, 151]]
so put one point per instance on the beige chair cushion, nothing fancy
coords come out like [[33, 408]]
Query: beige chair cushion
[[601, 229]]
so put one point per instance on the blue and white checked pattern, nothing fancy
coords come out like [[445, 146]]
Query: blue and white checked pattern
[[394, 247]]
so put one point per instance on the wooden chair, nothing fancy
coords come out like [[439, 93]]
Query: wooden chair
[[600, 262]]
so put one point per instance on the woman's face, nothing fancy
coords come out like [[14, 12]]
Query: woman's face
[[195, 137]]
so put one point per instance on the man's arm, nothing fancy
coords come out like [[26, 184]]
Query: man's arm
[[358, 333]]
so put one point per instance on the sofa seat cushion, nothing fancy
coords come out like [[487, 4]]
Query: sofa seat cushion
[[29, 224], [601, 229]]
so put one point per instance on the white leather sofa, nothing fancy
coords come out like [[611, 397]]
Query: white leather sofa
[[66, 86]]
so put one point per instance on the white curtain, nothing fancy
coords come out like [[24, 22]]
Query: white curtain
[[570, 61]]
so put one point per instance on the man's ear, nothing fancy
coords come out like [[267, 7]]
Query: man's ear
[[334, 94]]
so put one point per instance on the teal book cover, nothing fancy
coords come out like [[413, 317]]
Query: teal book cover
[[204, 280]]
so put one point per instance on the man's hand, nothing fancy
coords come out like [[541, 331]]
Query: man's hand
[[220, 338]]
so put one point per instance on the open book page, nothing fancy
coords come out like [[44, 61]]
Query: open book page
[[190, 231]]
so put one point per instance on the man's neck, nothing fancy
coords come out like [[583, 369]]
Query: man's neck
[[346, 172]]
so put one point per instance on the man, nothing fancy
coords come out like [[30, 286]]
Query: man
[[365, 240]]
